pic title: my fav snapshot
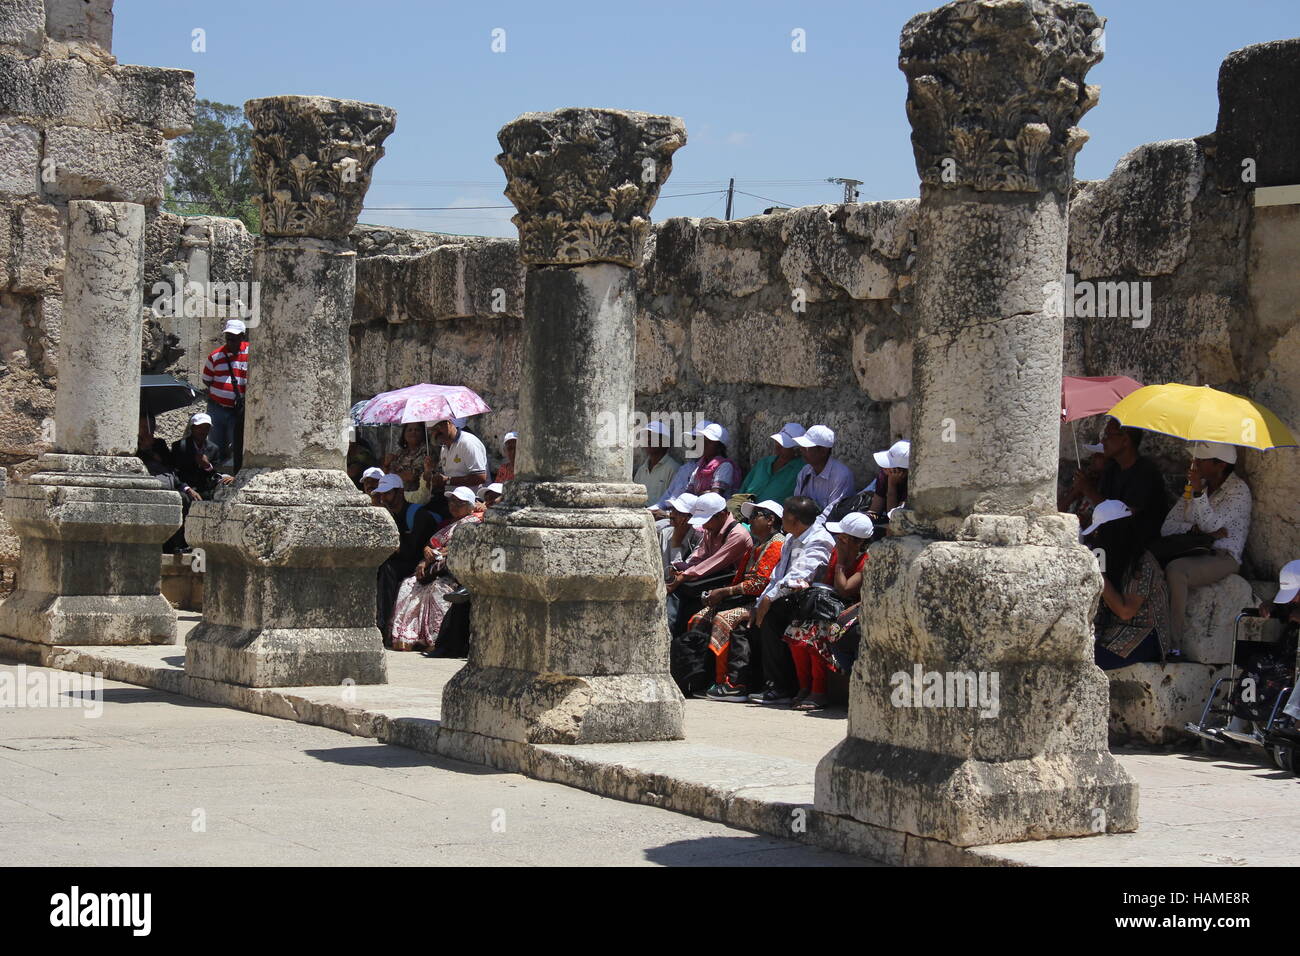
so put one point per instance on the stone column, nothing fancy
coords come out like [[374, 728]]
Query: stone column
[[92, 521], [291, 549], [982, 588], [569, 638]]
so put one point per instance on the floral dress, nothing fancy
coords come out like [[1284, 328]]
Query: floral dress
[[823, 636], [1122, 638], [752, 577], [421, 605]]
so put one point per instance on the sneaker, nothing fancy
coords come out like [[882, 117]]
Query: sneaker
[[727, 692], [770, 697]]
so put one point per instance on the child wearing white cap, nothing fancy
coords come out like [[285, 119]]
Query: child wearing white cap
[[1216, 505]]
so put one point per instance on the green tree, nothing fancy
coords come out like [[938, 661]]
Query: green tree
[[210, 171]]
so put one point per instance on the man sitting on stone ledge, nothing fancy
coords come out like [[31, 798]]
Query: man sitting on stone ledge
[[1132, 478], [659, 467], [724, 542], [195, 455], [1211, 520], [463, 463], [804, 556], [823, 479]]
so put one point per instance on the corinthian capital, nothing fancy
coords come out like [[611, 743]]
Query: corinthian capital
[[584, 182], [312, 158], [995, 88]]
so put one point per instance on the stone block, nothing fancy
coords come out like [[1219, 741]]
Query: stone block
[[1139, 219], [900, 421], [660, 344], [52, 89], [1249, 80], [884, 372], [1150, 704], [124, 165], [826, 261], [38, 249], [150, 96], [1211, 619], [22, 24], [80, 21], [20, 159], [804, 352]]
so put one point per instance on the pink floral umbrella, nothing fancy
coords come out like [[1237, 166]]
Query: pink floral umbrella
[[422, 403]]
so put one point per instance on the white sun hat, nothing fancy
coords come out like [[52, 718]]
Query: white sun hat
[[854, 523], [463, 492], [683, 502], [388, 483], [712, 431], [1289, 583], [372, 473], [788, 433], [747, 508], [1215, 449], [818, 436], [496, 488], [1112, 509], [706, 506], [897, 455]]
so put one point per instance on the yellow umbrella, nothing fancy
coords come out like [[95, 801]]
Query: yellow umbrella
[[1201, 413]]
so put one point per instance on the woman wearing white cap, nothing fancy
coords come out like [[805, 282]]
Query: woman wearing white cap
[[422, 599], [678, 539], [509, 444], [772, 478], [813, 643], [894, 463], [1132, 624], [1216, 507], [715, 471]]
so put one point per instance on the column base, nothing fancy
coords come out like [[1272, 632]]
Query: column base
[[569, 636], [90, 572], [290, 559]]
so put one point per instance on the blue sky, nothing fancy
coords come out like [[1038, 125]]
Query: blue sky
[[780, 122]]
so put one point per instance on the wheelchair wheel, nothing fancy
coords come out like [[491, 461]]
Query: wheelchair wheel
[[1283, 756]]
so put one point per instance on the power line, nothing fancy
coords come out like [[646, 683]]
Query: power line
[[707, 192]]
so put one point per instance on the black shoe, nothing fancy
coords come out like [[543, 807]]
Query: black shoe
[[770, 696]]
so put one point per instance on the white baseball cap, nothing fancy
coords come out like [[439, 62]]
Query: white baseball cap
[[1289, 581], [712, 431], [897, 455], [496, 488], [1112, 509], [854, 523], [1215, 449], [372, 473], [657, 428], [818, 436], [234, 327], [705, 507], [682, 502], [1093, 449], [463, 492], [510, 436], [199, 418], [787, 435], [388, 483], [747, 508]]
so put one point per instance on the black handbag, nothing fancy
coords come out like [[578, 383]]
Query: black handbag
[[819, 603], [1174, 546]]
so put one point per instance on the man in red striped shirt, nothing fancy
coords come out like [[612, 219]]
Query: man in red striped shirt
[[225, 374]]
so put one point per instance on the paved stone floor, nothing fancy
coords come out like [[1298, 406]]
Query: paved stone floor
[[130, 786]]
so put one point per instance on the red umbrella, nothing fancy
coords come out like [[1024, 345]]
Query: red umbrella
[[1081, 397]]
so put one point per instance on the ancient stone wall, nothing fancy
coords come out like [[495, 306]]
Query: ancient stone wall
[[74, 124]]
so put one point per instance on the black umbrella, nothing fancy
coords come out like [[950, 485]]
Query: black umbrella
[[162, 393]]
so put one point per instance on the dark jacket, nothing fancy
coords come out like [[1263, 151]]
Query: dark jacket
[[185, 459]]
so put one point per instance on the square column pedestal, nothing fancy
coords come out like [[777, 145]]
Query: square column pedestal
[[92, 529], [976, 713], [570, 642], [290, 557]]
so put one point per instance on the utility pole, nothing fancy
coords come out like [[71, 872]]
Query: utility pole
[[731, 192], [850, 188]]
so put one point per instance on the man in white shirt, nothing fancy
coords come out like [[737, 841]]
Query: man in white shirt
[[657, 470], [824, 479], [804, 556], [463, 463], [1220, 505]]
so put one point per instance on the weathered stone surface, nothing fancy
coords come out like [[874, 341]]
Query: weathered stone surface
[[80, 21], [965, 56], [38, 249], [1150, 704], [20, 158], [1211, 619], [60, 90], [1139, 219], [801, 350], [584, 182], [124, 165], [660, 342], [22, 24], [313, 157], [1247, 129], [96, 406], [151, 96], [885, 373]]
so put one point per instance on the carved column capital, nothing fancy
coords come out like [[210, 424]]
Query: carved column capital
[[584, 182], [995, 88], [312, 158]]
